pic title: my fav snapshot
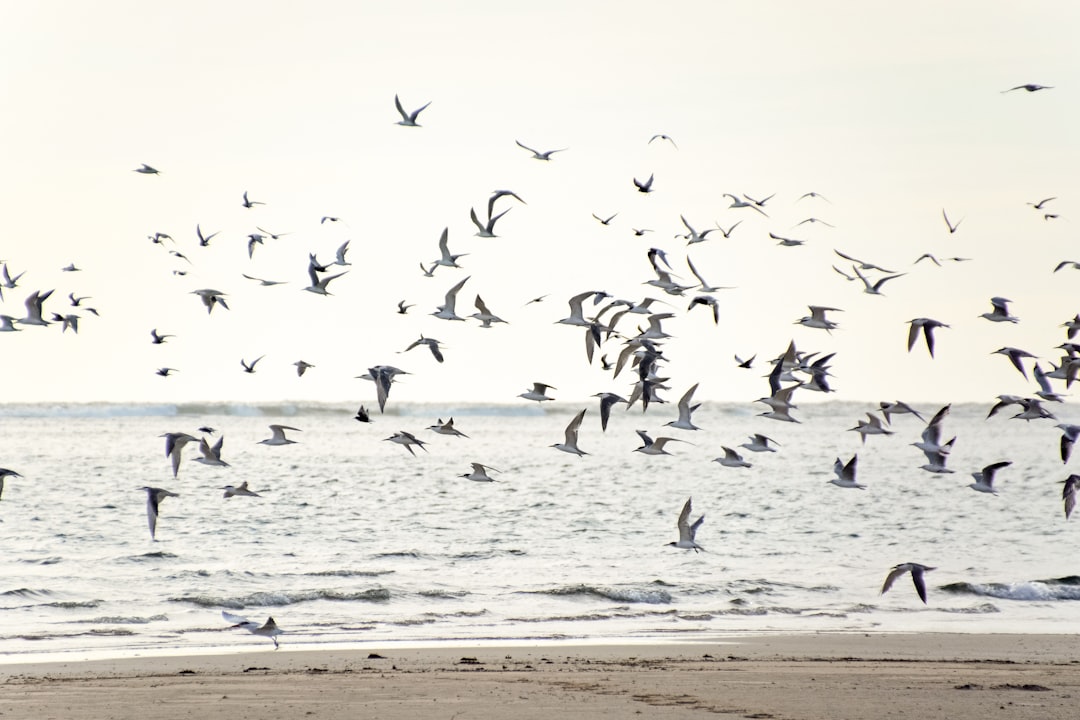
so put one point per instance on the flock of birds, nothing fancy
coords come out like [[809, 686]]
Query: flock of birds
[[601, 319]]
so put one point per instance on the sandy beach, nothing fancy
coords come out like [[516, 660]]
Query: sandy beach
[[827, 676]]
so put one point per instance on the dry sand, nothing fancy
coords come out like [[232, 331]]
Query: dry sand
[[828, 676]]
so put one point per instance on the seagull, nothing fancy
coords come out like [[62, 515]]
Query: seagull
[[210, 298], [275, 236], [479, 473], [278, 437], [165, 371], [33, 308], [916, 571], [638, 232], [874, 289], [485, 230], [952, 228], [984, 479], [485, 316], [786, 241], [737, 202], [537, 392], [339, 254], [1014, 355], [660, 136], [570, 443], [897, 408], [1000, 313], [446, 428], [402, 308], [408, 440], [432, 344], [318, 284], [264, 283], [687, 532], [872, 426], [813, 220], [1068, 493], [731, 458], [926, 326], [1030, 87], [408, 119], [607, 399], [812, 194], [686, 410], [863, 265], [745, 364], [653, 447], [154, 496], [446, 310], [174, 444], [446, 259], [759, 443], [268, 629], [211, 455], [502, 193], [1046, 391], [147, 170], [1070, 434], [845, 474], [644, 187], [250, 368], [705, 287], [1039, 205], [817, 318], [604, 221], [540, 155], [362, 415], [5, 473], [242, 491], [7, 324], [1067, 263], [383, 376], [302, 367], [250, 203], [693, 236], [253, 240]]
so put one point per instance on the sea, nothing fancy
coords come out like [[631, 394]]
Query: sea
[[355, 542]]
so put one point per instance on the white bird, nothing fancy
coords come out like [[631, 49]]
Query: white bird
[[1070, 434], [546, 155], [731, 458], [916, 571], [875, 288], [693, 236], [737, 202], [486, 230], [33, 308], [446, 310], [241, 490], [383, 377], [1015, 355], [485, 316], [154, 496], [897, 408], [174, 443], [210, 298], [211, 455], [872, 426], [5, 473], [319, 284], [408, 440], [147, 170], [268, 629], [759, 443], [408, 119], [845, 474], [339, 255], [926, 326], [447, 259], [661, 136], [479, 473], [569, 445], [446, 428], [302, 367], [817, 318], [687, 532], [651, 446], [250, 203], [1068, 493], [432, 344], [984, 479], [278, 437], [1000, 313], [538, 392], [952, 228], [607, 400], [686, 410], [263, 282], [644, 186]]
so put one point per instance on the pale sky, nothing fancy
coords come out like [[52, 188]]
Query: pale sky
[[891, 112]]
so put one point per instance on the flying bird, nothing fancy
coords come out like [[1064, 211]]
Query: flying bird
[[984, 479], [250, 203], [268, 629], [926, 326], [537, 154], [952, 228], [154, 496], [5, 473], [250, 367], [241, 490], [1000, 313], [569, 445], [278, 436], [660, 136], [644, 187], [687, 532], [916, 571], [408, 119], [1030, 87]]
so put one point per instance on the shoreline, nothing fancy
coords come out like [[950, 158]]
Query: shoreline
[[824, 675]]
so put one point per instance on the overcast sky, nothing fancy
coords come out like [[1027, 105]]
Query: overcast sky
[[891, 112]]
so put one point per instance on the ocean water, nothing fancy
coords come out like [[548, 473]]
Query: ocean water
[[353, 540]]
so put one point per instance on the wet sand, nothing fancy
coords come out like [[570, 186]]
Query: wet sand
[[827, 676]]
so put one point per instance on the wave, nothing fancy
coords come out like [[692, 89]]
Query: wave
[[630, 594], [264, 599], [349, 573], [123, 620], [1065, 588]]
